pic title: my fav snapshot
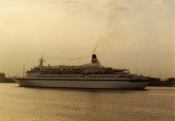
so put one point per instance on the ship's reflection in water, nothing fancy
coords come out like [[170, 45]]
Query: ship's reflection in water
[[21, 103]]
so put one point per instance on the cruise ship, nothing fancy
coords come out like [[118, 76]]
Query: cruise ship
[[92, 75]]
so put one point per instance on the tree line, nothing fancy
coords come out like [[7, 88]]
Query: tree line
[[2, 75]]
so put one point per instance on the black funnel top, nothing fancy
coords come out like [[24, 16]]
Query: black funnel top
[[94, 56]]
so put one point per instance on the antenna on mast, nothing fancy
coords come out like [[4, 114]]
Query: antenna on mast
[[23, 70], [41, 60]]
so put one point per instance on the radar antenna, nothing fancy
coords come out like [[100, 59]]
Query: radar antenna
[[41, 60]]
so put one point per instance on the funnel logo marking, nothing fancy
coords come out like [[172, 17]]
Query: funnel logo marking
[[94, 61]]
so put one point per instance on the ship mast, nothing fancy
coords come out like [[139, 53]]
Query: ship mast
[[41, 62]]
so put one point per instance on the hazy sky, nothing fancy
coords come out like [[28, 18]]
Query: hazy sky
[[129, 33]]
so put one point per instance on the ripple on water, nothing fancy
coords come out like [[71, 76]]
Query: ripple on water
[[20, 103]]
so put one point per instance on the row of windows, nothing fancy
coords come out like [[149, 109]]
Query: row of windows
[[76, 69], [60, 76], [87, 79], [62, 69], [53, 69], [76, 76]]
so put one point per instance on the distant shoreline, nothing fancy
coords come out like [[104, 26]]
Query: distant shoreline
[[170, 82], [160, 85], [6, 80]]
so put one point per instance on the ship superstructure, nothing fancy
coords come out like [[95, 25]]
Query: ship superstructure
[[92, 75]]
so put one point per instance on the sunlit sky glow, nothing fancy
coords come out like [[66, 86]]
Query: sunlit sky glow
[[131, 34]]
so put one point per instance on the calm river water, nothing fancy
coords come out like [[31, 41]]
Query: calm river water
[[59, 104]]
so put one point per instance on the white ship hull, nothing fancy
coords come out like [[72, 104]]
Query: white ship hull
[[92, 75], [123, 84]]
